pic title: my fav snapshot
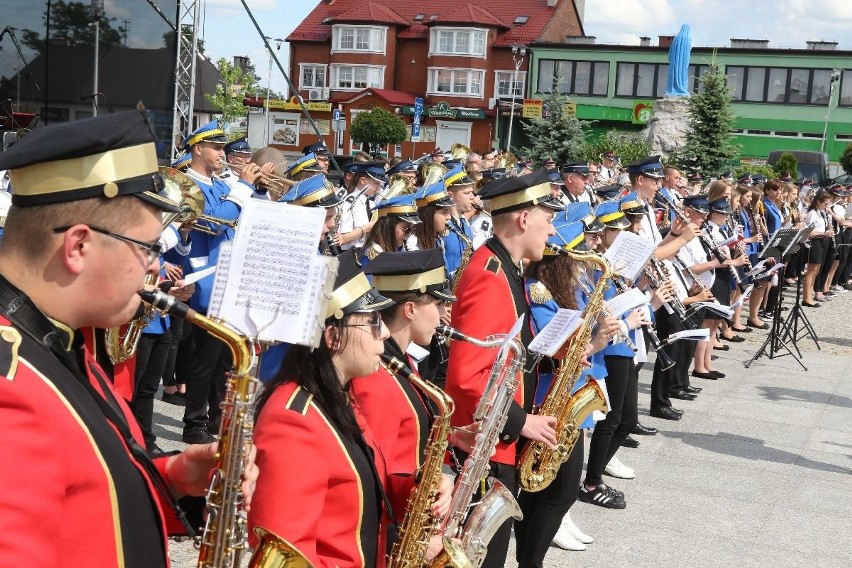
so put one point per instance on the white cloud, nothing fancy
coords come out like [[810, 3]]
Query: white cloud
[[230, 6]]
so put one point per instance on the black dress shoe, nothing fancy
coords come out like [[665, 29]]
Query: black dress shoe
[[643, 430], [692, 389], [721, 347], [198, 436], [155, 451], [665, 412], [176, 398], [676, 410], [764, 325], [630, 443], [682, 394], [734, 339], [741, 329], [701, 375], [718, 374]]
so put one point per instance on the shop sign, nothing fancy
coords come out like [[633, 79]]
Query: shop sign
[[533, 108], [443, 109], [642, 111], [293, 104]]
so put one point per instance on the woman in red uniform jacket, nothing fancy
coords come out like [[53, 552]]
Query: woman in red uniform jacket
[[322, 486]]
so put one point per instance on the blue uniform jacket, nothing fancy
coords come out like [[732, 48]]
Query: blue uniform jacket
[[454, 244]]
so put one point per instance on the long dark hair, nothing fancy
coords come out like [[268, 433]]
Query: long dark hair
[[383, 233], [560, 274], [313, 370], [820, 196], [425, 231]]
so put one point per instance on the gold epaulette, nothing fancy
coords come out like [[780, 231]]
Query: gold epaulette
[[539, 293], [10, 341]]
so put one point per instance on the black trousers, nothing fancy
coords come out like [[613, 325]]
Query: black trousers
[[543, 510], [682, 353], [843, 251], [205, 379], [176, 329], [150, 359], [663, 382], [622, 385]]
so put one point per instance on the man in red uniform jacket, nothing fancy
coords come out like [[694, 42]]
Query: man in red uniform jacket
[[80, 237], [491, 297]]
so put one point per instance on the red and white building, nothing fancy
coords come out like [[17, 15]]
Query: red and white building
[[353, 55]]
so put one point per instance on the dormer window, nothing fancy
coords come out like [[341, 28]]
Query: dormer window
[[521, 20], [467, 42]]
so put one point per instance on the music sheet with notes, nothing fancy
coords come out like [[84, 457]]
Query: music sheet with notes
[[628, 254], [271, 283]]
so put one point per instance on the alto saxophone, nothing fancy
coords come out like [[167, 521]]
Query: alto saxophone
[[225, 540], [419, 524], [498, 505], [465, 257], [122, 346], [538, 464]]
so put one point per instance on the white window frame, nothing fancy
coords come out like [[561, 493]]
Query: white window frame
[[322, 66], [377, 34], [334, 76], [435, 44], [432, 84], [522, 80]]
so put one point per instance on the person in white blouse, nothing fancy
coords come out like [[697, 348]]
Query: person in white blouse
[[819, 243]]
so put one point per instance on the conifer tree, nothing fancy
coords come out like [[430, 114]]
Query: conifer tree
[[557, 134], [708, 147]]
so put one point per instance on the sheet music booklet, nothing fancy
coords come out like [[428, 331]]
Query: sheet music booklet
[[629, 253], [554, 335], [270, 281]]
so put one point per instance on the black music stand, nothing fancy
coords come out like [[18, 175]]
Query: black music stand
[[784, 243]]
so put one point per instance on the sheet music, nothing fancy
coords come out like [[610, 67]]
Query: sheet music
[[746, 293], [554, 335], [757, 268], [701, 334], [275, 283], [222, 269], [626, 301], [196, 276], [629, 253], [717, 308]]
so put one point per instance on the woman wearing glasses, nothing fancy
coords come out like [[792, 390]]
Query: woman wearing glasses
[[396, 220], [323, 488], [435, 209]]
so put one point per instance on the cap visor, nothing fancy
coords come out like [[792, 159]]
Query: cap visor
[[413, 219], [372, 301], [620, 223], [444, 294], [551, 203], [158, 201], [594, 227], [580, 247]]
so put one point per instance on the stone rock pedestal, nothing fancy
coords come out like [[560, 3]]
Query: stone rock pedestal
[[666, 130]]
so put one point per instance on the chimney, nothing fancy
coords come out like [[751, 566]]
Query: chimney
[[665, 41], [241, 62], [580, 40], [821, 45], [747, 43], [645, 41]]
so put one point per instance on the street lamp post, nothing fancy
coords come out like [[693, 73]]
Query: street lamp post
[[278, 41], [97, 11], [518, 54], [835, 77]]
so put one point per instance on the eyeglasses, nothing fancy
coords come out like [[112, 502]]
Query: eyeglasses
[[375, 325], [152, 251]]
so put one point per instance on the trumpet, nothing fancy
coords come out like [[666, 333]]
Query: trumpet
[[181, 189]]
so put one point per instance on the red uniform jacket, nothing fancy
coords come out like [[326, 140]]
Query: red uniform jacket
[[485, 307], [311, 491], [73, 494]]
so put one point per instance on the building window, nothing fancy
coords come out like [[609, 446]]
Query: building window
[[589, 78], [312, 76], [649, 80], [367, 39], [695, 73], [780, 85], [503, 84], [357, 77], [457, 41], [456, 82], [845, 89]]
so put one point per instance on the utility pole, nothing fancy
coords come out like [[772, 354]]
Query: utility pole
[[97, 12], [125, 30]]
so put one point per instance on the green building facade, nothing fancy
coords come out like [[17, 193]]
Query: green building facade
[[780, 96]]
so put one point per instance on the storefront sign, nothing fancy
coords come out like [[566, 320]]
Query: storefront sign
[[293, 104], [444, 110], [642, 111], [533, 108]]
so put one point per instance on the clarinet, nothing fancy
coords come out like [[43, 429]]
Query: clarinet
[[332, 247]]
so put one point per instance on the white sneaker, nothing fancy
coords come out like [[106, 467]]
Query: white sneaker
[[575, 531], [617, 469], [565, 540]]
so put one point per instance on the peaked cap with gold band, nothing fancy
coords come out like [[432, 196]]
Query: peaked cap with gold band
[[569, 235], [457, 178], [434, 194], [402, 206], [353, 292], [512, 193], [411, 271], [210, 132], [315, 191], [107, 156], [582, 211], [610, 214], [308, 163], [631, 204]]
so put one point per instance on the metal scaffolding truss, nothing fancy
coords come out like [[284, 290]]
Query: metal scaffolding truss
[[189, 12]]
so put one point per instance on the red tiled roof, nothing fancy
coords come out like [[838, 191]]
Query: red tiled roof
[[370, 12], [541, 25], [466, 15], [393, 98]]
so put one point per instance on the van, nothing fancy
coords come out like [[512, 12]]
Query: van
[[811, 164]]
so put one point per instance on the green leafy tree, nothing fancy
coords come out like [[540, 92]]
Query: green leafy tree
[[787, 164], [169, 39], [846, 159], [628, 146], [557, 134], [753, 170], [708, 147], [234, 85], [71, 25], [377, 127]]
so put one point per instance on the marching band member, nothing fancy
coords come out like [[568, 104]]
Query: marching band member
[[490, 298], [460, 236], [316, 191], [576, 176], [819, 240], [397, 218], [306, 422], [355, 218], [609, 166], [836, 213], [322, 154], [434, 207], [86, 216], [551, 284]]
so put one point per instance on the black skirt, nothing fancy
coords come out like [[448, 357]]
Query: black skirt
[[816, 254], [722, 286]]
